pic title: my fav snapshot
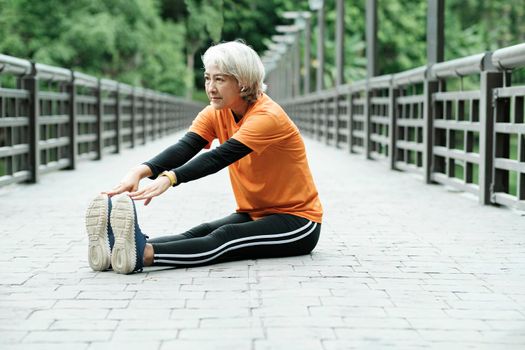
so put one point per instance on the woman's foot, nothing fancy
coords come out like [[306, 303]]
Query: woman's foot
[[99, 231], [128, 251]]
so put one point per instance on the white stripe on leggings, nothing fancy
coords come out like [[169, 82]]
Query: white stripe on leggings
[[166, 261], [196, 255]]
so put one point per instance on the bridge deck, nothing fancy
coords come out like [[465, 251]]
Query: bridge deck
[[400, 264]]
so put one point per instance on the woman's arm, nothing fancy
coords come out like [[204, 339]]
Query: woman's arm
[[186, 148], [205, 164], [176, 155], [130, 181], [212, 161]]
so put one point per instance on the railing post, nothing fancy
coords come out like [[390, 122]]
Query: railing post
[[275, 80], [435, 31], [154, 119], [325, 120], [320, 49], [297, 66], [305, 116], [179, 115], [31, 85], [339, 42], [318, 119], [133, 120], [170, 114], [158, 115], [307, 59], [489, 80], [372, 69], [283, 86], [435, 54], [73, 127], [284, 78], [291, 70], [337, 123], [99, 124], [312, 120], [118, 121], [368, 123], [429, 88], [144, 115], [164, 129], [371, 38], [169, 126], [350, 121], [393, 93]]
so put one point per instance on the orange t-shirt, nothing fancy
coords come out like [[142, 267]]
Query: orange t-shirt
[[275, 177]]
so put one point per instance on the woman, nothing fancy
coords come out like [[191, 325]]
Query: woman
[[279, 212]]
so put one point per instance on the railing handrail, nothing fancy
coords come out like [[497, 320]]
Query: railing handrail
[[415, 75], [108, 84], [14, 65], [427, 124], [509, 57], [108, 116], [52, 73], [381, 81], [125, 88], [85, 79], [460, 67]]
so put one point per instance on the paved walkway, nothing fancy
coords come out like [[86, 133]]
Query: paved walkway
[[400, 265]]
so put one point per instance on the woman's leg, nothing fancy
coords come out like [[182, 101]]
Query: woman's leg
[[203, 229], [276, 235], [197, 231]]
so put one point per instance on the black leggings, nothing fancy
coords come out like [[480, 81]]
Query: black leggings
[[237, 237]]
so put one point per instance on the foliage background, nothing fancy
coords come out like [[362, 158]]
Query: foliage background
[[157, 43]]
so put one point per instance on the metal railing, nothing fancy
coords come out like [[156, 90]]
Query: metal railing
[[51, 118], [472, 140]]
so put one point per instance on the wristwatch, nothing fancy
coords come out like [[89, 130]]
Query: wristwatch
[[171, 176]]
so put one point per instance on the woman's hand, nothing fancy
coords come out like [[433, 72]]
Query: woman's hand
[[154, 189], [130, 182]]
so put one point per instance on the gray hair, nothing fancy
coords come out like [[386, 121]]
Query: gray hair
[[239, 60]]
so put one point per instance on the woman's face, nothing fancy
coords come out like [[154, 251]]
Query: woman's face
[[222, 90]]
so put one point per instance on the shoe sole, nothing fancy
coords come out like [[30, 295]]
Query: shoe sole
[[124, 256], [99, 252]]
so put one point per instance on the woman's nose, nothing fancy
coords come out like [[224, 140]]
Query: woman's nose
[[210, 86]]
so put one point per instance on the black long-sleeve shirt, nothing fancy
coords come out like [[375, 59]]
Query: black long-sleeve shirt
[[178, 158]]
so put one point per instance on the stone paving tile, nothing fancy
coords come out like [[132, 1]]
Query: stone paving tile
[[198, 344], [46, 346], [59, 336], [83, 325], [12, 336], [128, 345], [133, 335], [286, 344], [400, 265], [238, 322]]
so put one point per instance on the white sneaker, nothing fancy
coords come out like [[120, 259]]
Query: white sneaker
[[128, 252], [99, 233]]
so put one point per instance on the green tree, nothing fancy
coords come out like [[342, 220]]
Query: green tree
[[254, 21], [474, 26], [251, 21], [204, 22], [123, 40], [155, 43]]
